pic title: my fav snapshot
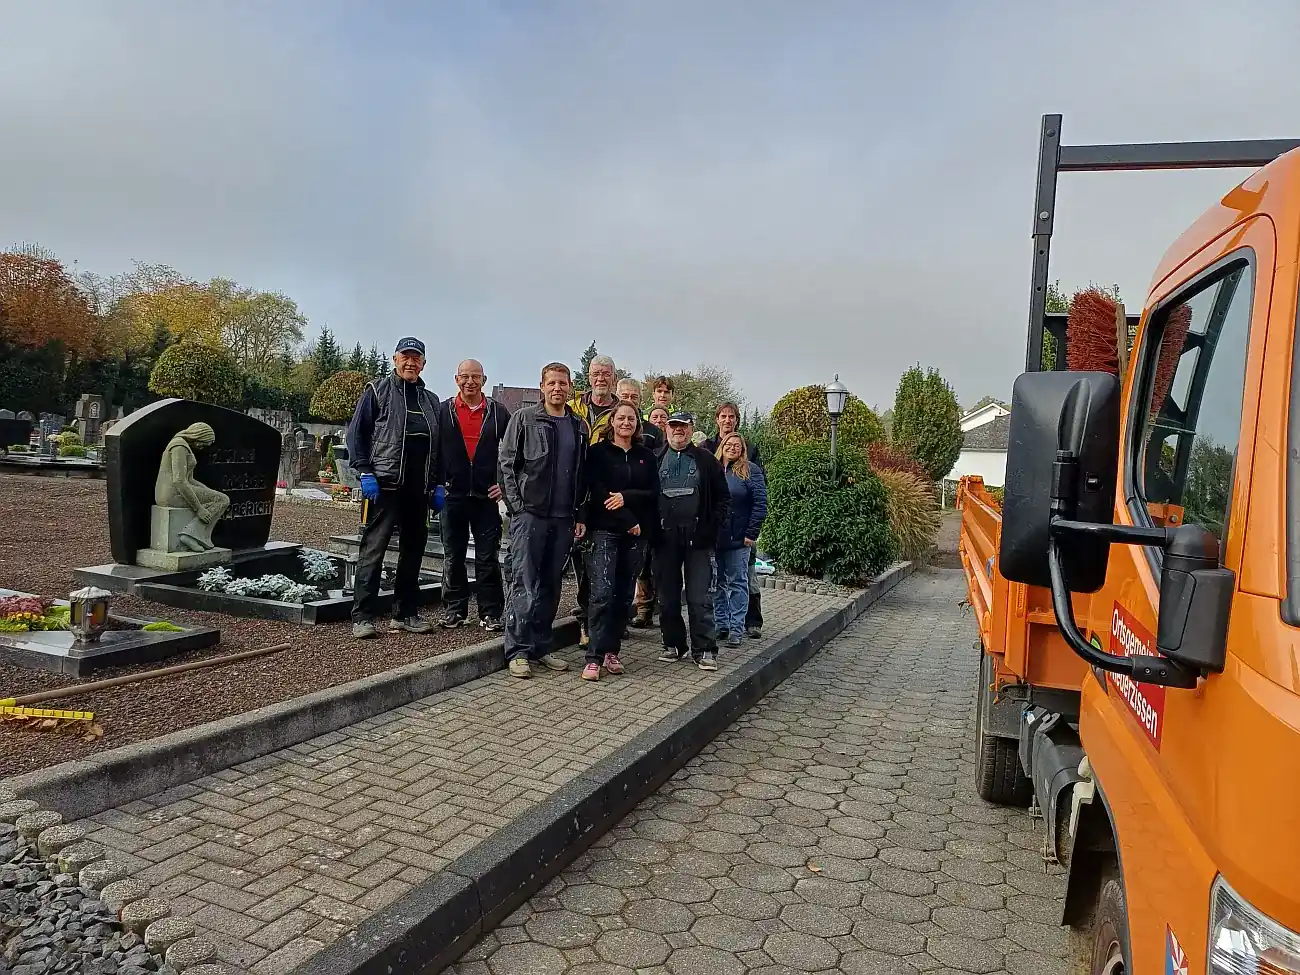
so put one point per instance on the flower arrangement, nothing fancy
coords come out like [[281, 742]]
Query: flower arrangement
[[20, 614]]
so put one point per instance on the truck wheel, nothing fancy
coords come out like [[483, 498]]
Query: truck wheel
[[1100, 946], [998, 775]]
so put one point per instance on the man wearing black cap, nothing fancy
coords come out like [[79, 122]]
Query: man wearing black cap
[[393, 446], [693, 505]]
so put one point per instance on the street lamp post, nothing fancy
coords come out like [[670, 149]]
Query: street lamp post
[[837, 395]]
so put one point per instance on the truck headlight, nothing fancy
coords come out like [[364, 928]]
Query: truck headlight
[[1245, 942]]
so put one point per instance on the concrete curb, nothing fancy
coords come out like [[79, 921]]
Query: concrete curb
[[430, 926], [83, 787]]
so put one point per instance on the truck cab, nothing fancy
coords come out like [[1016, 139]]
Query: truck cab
[[1166, 499]]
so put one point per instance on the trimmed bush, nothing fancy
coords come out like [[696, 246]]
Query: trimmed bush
[[913, 514], [189, 370], [337, 397], [72, 450], [800, 415], [823, 526], [927, 421]]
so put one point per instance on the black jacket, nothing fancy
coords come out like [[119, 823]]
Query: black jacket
[[461, 477], [376, 437], [526, 462], [715, 498], [634, 474]]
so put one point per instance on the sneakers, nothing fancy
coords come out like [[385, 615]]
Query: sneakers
[[707, 661], [591, 672], [754, 632], [364, 630], [452, 619], [733, 639], [519, 667], [612, 664], [555, 662], [412, 624], [640, 622], [491, 624], [671, 655]]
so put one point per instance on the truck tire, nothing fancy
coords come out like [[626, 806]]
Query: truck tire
[[998, 775], [1100, 946]]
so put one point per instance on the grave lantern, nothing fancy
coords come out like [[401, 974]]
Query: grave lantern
[[350, 574], [88, 616]]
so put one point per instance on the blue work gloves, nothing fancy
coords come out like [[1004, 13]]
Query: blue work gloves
[[436, 497], [369, 487]]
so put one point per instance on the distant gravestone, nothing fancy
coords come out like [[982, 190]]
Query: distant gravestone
[[26, 415], [7, 415], [91, 411], [242, 464], [13, 431]]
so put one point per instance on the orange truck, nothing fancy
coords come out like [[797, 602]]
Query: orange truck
[[1137, 591]]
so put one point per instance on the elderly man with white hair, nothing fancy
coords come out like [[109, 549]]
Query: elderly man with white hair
[[595, 407]]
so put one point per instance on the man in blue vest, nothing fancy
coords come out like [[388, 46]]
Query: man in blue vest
[[393, 446]]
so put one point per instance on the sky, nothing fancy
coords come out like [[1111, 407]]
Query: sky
[[789, 190]]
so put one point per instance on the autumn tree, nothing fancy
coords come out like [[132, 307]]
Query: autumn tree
[[698, 390], [40, 303], [257, 326]]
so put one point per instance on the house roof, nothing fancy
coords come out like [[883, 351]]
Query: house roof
[[994, 435], [513, 397]]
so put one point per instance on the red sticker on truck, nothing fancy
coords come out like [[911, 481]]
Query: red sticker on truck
[[1129, 638]]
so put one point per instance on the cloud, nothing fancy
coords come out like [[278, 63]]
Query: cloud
[[788, 190]]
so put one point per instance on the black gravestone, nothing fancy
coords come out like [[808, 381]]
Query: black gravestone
[[242, 463], [14, 432]]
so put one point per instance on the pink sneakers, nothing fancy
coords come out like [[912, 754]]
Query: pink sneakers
[[591, 672], [612, 664]]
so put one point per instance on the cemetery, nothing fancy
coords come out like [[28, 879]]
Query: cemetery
[[204, 533]]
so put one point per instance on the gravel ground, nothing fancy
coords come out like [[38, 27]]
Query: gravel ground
[[70, 519]]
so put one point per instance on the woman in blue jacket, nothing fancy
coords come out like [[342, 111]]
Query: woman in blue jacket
[[748, 490]]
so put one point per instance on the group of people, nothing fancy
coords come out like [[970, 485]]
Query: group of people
[[645, 509]]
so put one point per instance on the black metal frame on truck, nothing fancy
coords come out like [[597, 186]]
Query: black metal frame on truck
[[1055, 158]]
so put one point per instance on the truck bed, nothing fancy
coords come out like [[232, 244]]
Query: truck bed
[[1016, 625]]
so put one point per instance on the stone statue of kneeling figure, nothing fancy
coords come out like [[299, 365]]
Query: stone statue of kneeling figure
[[177, 488]]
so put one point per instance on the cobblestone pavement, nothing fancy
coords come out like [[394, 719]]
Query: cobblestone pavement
[[278, 857], [833, 828]]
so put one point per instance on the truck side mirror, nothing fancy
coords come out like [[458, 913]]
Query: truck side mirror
[[1195, 600], [1051, 412]]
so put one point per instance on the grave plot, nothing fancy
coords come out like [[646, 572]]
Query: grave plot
[[79, 635], [297, 585]]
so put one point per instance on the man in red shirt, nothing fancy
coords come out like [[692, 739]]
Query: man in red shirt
[[471, 427]]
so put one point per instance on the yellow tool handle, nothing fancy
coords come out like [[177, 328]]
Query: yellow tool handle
[[9, 711]]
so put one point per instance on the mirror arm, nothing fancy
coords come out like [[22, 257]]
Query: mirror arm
[[1115, 534], [1145, 669]]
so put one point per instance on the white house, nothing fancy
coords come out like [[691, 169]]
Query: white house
[[984, 450], [985, 414]]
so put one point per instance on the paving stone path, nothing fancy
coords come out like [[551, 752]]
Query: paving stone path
[[833, 828], [278, 857]]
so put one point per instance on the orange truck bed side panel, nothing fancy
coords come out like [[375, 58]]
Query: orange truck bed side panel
[[1015, 621]]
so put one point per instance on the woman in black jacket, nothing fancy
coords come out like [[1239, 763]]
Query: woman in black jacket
[[622, 512]]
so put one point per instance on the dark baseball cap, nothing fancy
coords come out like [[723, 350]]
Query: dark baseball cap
[[681, 416], [409, 344]]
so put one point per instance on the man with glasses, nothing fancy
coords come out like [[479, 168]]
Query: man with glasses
[[471, 426]]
